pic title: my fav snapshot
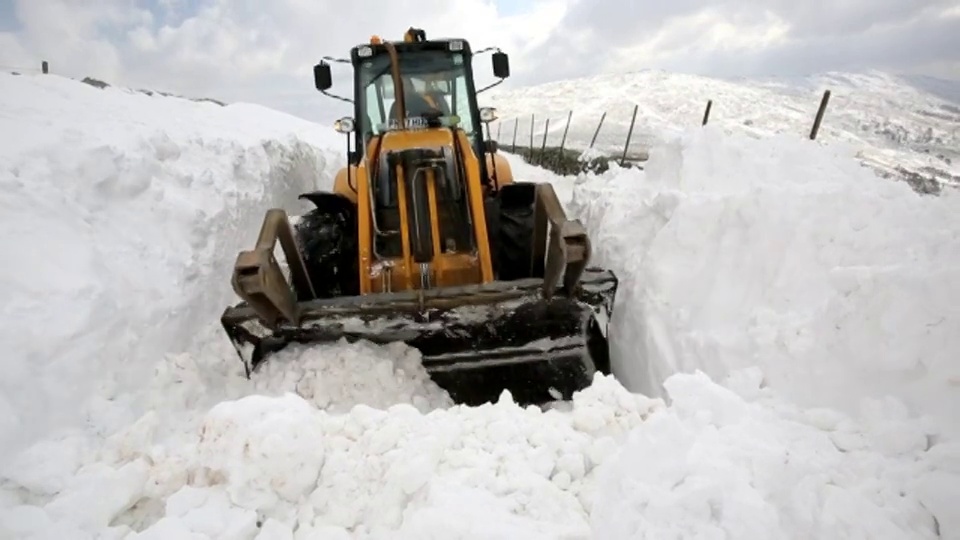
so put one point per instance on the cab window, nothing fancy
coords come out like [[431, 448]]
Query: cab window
[[437, 77]]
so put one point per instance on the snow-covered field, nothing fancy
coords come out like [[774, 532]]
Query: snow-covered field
[[888, 121], [807, 306]]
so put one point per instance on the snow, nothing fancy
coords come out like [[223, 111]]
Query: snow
[[126, 414], [720, 466], [121, 215], [889, 122], [786, 256]]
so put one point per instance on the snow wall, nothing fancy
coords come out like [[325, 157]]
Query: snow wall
[[783, 254], [120, 217]]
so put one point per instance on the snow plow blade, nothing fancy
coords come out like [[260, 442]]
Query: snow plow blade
[[475, 340]]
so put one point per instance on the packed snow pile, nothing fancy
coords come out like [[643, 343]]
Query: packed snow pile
[[120, 217], [895, 125], [782, 254], [127, 415]]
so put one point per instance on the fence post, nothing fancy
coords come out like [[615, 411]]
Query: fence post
[[563, 141], [516, 124], [629, 134], [531, 138], [543, 145], [597, 132], [45, 67], [706, 113], [499, 125], [820, 111]]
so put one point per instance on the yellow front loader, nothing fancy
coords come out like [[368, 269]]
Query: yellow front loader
[[427, 239]]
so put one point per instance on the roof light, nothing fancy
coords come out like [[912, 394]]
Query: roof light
[[456, 45], [364, 52]]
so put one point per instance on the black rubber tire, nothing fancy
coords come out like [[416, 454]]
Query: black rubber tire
[[327, 239], [599, 348], [491, 210], [515, 241]]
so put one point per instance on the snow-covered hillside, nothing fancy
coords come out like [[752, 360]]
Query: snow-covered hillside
[[125, 413], [888, 121]]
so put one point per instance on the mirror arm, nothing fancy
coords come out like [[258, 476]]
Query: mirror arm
[[334, 96], [485, 88]]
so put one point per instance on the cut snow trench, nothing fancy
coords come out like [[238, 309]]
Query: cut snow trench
[[216, 455]]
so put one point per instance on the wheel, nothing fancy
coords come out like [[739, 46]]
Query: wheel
[[514, 244], [327, 239]]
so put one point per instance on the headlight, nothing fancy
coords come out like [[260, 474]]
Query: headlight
[[344, 125], [488, 114]]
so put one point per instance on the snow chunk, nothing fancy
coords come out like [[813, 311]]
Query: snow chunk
[[263, 449], [337, 377]]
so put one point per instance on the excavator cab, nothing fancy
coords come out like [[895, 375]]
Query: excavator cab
[[426, 238]]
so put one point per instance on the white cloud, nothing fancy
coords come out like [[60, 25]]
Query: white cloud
[[263, 51], [251, 50], [742, 38]]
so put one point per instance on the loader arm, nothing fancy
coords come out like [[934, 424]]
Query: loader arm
[[258, 279], [569, 246]]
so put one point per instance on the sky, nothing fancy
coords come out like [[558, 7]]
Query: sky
[[251, 50]]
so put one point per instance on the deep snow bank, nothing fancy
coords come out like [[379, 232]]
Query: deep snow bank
[[120, 214], [785, 255]]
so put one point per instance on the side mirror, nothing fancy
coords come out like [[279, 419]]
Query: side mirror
[[491, 146], [321, 76], [501, 65], [344, 125]]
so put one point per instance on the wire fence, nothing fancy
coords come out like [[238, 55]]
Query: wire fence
[[612, 135]]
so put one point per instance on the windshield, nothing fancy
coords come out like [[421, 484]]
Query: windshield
[[434, 81]]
